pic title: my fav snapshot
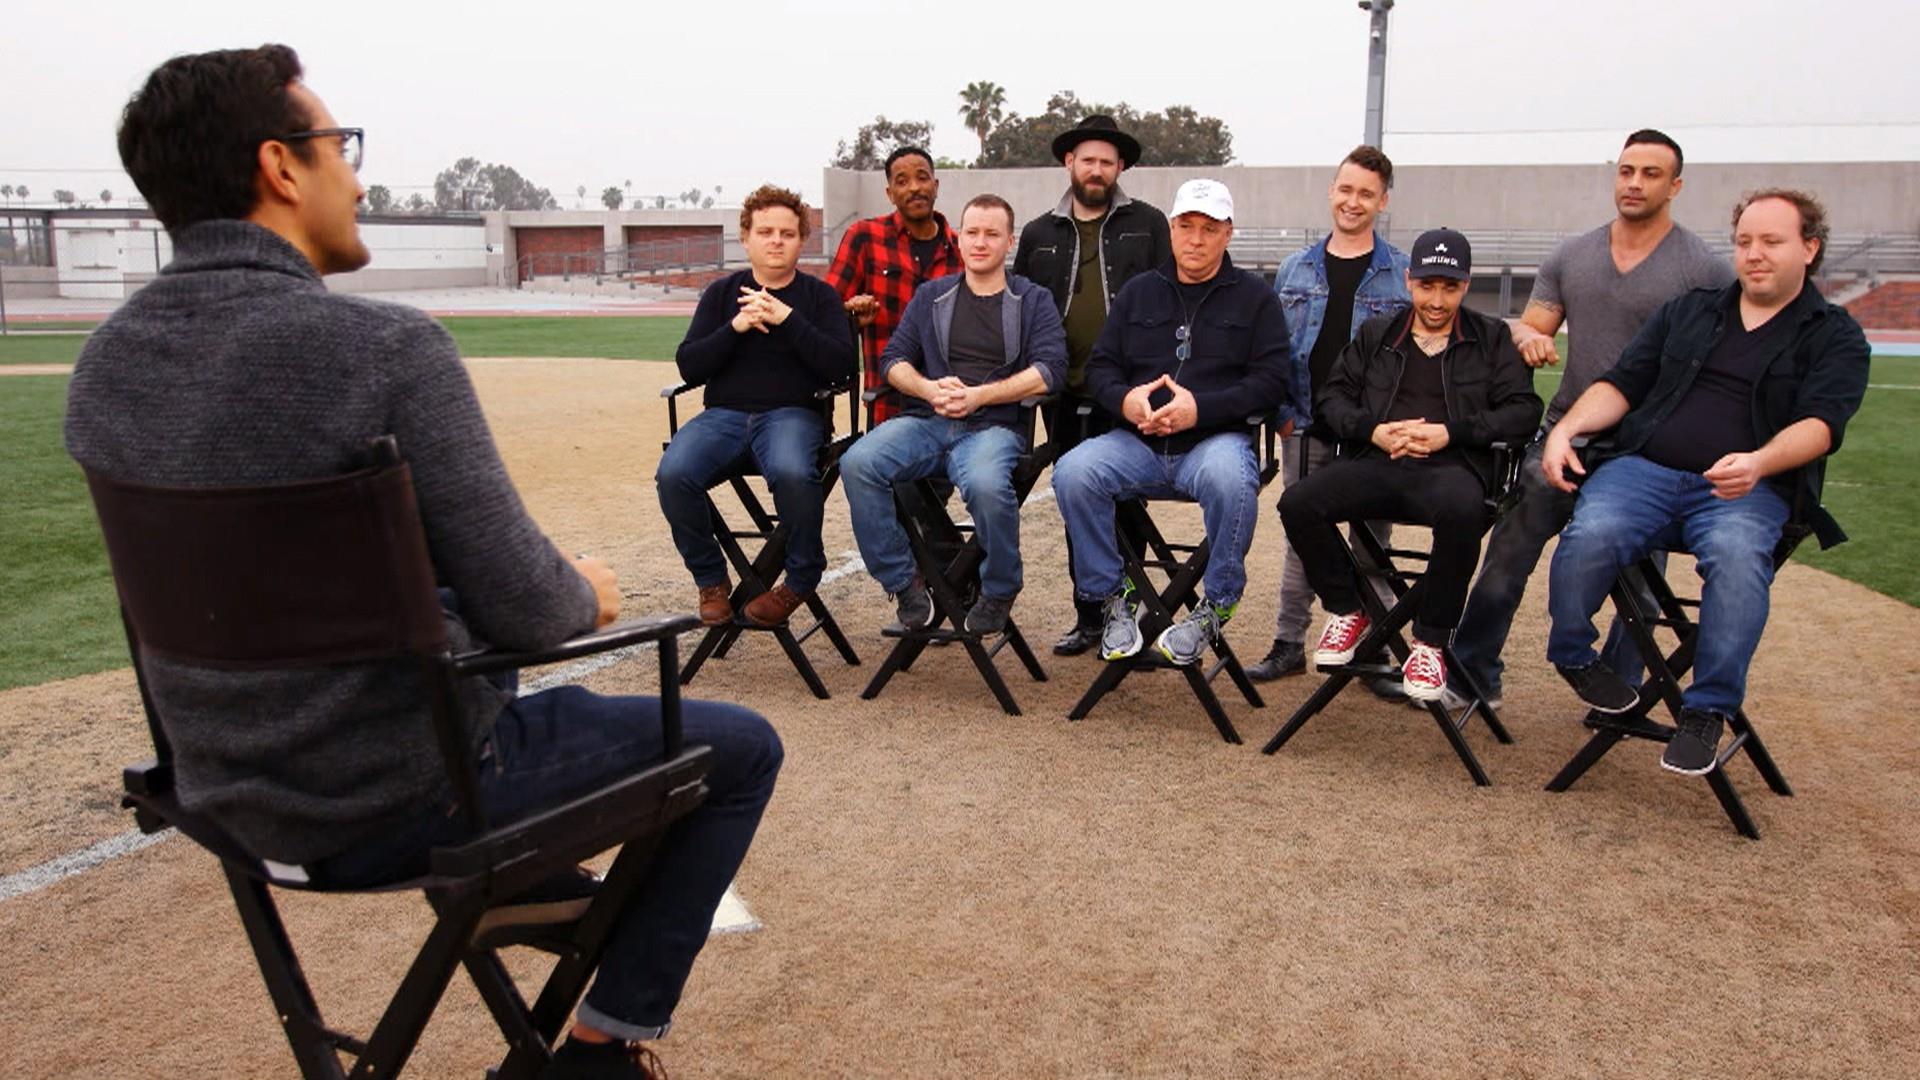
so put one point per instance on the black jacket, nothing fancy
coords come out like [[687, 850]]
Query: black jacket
[[1821, 373], [1133, 240], [1489, 388], [1238, 365]]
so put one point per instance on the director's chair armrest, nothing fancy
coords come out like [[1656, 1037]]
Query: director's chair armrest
[[1266, 438], [1505, 489], [619, 635], [672, 394]]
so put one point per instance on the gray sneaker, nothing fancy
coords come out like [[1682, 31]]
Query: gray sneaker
[[1186, 641], [1454, 700], [914, 607], [988, 615], [1120, 638]]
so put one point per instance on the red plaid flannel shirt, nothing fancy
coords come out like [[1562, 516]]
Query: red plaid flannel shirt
[[875, 260]]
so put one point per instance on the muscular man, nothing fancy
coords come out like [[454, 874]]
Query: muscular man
[[970, 346], [237, 366], [1723, 409], [1083, 250], [763, 342], [1603, 286], [882, 260]]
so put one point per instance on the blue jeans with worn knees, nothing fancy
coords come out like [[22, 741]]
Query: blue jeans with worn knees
[[784, 444], [1219, 473], [1631, 505], [549, 747], [978, 457], [1513, 550]]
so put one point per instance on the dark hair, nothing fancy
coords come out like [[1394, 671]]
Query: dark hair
[[988, 198], [1813, 217], [1371, 159], [190, 137], [1658, 138], [905, 151], [768, 196]]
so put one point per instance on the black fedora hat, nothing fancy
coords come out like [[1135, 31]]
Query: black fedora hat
[[1098, 126]]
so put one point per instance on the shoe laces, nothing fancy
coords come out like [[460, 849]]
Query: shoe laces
[[1425, 663], [1343, 626], [1701, 725]]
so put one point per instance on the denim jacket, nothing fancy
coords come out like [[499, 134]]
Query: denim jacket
[[1302, 285], [1032, 329], [1820, 373]]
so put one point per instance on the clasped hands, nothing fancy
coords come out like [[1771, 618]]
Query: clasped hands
[[759, 310], [1410, 438], [1178, 414], [952, 398]]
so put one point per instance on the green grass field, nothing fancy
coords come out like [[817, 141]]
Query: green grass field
[[56, 598], [615, 337]]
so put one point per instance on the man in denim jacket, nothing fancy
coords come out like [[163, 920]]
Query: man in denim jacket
[[1327, 290], [968, 348]]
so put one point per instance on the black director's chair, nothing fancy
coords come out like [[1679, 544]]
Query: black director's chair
[[1383, 651], [948, 555], [1180, 567], [202, 579], [1631, 591], [758, 572]]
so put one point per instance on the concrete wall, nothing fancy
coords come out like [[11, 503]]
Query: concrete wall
[[1861, 197]]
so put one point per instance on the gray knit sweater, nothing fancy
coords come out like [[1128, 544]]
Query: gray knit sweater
[[237, 366]]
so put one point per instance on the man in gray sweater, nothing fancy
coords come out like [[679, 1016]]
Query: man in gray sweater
[[237, 366]]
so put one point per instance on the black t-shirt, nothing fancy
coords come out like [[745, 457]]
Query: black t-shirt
[[1422, 394], [1343, 281], [922, 252], [977, 344], [1715, 417]]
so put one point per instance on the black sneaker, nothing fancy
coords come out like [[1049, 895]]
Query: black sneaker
[[913, 609], [1598, 686], [1078, 640], [1388, 689], [988, 615], [577, 1060], [1696, 745], [1284, 659], [561, 898]]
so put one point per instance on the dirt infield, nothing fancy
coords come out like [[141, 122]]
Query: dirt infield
[[948, 891]]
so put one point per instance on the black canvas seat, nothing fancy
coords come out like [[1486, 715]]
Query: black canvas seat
[[1147, 557], [202, 580], [1399, 573], [1647, 603]]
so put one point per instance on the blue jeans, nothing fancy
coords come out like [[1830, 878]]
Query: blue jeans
[[1219, 473], [1512, 552], [548, 747], [977, 457], [1630, 506], [784, 444]]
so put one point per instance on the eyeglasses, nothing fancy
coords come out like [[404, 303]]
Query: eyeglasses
[[1184, 335], [353, 142]]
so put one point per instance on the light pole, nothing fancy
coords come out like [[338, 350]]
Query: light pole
[[1376, 68]]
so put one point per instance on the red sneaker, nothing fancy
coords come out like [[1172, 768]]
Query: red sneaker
[[1424, 676], [1339, 639]]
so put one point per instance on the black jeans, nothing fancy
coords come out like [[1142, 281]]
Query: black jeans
[[1444, 494], [1066, 430]]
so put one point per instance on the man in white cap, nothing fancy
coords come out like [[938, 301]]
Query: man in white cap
[[1189, 350]]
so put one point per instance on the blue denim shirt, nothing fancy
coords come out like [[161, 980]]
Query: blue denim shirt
[[1302, 285]]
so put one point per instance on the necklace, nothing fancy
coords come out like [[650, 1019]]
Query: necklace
[[1431, 344]]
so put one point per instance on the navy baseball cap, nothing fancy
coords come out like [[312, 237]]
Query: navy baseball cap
[[1442, 253]]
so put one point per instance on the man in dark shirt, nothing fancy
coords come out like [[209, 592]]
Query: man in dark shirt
[[1726, 404], [764, 340], [968, 348], [236, 366], [1083, 250], [1417, 398], [882, 260], [1327, 290]]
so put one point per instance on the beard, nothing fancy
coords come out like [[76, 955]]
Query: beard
[[1095, 195]]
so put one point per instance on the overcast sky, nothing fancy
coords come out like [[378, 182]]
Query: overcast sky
[[677, 95]]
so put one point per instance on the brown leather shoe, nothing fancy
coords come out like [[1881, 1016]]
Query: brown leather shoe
[[715, 609], [773, 607]]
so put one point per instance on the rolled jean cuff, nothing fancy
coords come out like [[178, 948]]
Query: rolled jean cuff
[[620, 1029]]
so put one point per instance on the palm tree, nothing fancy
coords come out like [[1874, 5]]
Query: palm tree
[[980, 108], [7, 191]]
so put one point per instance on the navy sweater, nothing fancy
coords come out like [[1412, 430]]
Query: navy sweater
[[756, 372]]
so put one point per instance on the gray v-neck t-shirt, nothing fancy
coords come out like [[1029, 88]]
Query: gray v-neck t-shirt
[[1604, 308]]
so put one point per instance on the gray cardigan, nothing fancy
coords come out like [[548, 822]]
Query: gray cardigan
[[237, 366]]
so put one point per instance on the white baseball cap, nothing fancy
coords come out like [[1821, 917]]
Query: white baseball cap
[[1209, 197]]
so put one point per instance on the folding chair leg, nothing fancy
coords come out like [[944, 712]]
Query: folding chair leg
[[983, 661], [1730, 802], [412, 1005], [800, 662], [1017, 641], [1757, 753], [509, 1009], [831, 627], [713, 644], [899, 659], [312, 1045], [1308, 710], [1459, 743], [1197, 680], [1109, 677], [1602, 741]]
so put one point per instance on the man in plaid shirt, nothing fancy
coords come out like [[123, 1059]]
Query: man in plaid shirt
[[882, 260]]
